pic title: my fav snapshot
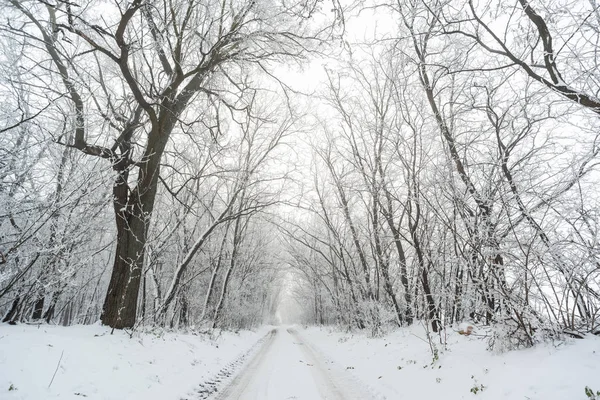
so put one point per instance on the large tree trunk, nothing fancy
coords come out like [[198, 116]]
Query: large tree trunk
[[133, 209], [120, 305]]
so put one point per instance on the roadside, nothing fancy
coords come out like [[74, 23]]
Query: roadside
[[401, 365], [52, 362]]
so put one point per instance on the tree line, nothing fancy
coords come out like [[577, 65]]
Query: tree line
[[146, 160], [455, 177]]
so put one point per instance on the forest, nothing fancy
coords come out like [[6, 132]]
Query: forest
[[201, 164]]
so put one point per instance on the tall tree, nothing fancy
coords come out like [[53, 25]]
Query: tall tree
[[139, 67]]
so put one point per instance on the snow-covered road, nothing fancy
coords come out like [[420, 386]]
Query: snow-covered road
[[70, 363], [287, 367]]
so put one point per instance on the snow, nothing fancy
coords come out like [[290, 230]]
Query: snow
[[309, 364], [98, 365], [280, 373], [287, 368], [401, 365]]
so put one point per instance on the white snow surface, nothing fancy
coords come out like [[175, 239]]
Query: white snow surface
[[400, 366], [288, 367], [98, 365], [307, 364]]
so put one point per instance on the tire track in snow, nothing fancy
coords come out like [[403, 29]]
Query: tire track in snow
[[345, 383], [288, 367], [329, 388], [211, 386], [243, 378]]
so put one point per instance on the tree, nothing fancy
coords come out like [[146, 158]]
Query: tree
[[139, 68], [542, 48]]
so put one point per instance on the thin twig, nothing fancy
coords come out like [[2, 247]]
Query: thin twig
[[55, 371]]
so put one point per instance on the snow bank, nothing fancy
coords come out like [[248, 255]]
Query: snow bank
[[401, 365], [98, 365]]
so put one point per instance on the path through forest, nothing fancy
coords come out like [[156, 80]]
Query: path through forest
[[288, 367]]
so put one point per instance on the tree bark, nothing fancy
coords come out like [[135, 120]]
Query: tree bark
[[13, 310], [133, 213]]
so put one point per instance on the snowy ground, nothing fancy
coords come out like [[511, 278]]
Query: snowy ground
[[97, 365], [400, 366], [287, 367], [284, 363]]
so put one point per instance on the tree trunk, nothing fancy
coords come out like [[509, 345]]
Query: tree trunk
[[38, 308], [213, 276], [49, 314], [237, 238], [143, 312], [13, 310], [133, 209], [120, 304]]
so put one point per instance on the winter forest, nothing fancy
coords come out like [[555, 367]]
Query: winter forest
[[365, 165]]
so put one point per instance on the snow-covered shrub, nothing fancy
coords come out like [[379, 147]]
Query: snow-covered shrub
[[377, 317], [508, 334]]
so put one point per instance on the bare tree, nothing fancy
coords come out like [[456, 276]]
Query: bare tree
[[143, 66]]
